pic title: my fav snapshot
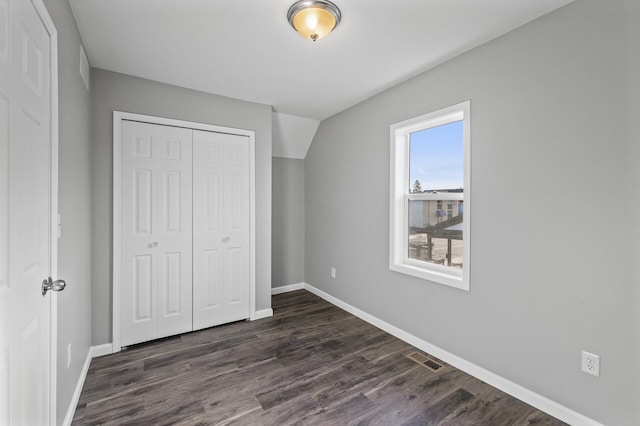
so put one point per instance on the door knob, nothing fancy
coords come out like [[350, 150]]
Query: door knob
[[153, 244], [49, 284], [226, 239]]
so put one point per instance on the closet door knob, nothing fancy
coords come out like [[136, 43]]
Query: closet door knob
[[153, 244], [226, 239]]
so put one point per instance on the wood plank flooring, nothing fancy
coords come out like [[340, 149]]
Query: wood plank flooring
[[310, 364]]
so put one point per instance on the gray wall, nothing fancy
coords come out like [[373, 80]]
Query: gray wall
[[112, 91], [633, 85], [74, 198], [287, 245], [554, 121]]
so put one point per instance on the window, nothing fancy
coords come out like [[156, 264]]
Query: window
[[430, 194]]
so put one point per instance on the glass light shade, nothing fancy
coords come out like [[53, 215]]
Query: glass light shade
[[314, 19]]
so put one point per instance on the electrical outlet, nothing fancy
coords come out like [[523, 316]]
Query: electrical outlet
[[333, 272], [69, 355], [590, 364]]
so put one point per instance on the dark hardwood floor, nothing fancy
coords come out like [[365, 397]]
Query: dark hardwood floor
[[310, 364]]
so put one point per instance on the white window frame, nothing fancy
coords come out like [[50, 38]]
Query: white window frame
[[399, 260]]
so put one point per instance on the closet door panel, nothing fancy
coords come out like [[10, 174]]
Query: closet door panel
[[221, 226], [175, 225], [156, 215]]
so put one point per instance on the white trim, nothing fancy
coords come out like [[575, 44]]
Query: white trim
[[436, 196], [118, 116], [252, 226], [101, 350], [288, 288], [152, 119], [44, 16], [73, 404], [117, 229], [263, 313], [534, 399], [399, 260], [93, 352]]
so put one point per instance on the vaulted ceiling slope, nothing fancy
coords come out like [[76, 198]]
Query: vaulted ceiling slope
[[245, 49]]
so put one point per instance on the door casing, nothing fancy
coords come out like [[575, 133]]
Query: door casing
[[118, 117]]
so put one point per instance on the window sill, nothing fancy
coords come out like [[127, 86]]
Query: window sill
[[441, 277]]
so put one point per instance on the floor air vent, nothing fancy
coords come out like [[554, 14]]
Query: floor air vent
[[425, 361]]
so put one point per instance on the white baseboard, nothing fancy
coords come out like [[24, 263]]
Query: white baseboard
[[100, 350], [536, 400], [71, 411], [264, 313], [288, 288]]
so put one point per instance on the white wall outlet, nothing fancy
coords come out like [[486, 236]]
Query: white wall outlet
[[333, 272], [69, 355], [590, 364]]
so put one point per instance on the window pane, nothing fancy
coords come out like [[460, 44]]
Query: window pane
[[436, 159], [435, 231]]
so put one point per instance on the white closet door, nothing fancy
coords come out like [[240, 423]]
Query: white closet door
[[221, 228], [156, 231]]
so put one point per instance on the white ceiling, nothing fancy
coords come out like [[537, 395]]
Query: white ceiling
[[292, 135], [245, 49]]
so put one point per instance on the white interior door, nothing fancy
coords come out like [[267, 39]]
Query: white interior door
[[221, 228], [156, 297], [25, 215]]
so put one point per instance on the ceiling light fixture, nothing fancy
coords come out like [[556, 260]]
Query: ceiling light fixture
[[314, 19]]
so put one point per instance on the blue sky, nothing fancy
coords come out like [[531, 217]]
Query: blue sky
[[436, 157]]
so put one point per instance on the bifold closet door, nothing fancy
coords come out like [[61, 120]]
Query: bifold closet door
[[156, 223], [221, 228]]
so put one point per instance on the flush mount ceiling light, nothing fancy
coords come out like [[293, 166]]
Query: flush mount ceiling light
[[314, 19]]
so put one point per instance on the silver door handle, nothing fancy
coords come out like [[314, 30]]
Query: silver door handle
[[153, 244], [226, 239], [49, 284]]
